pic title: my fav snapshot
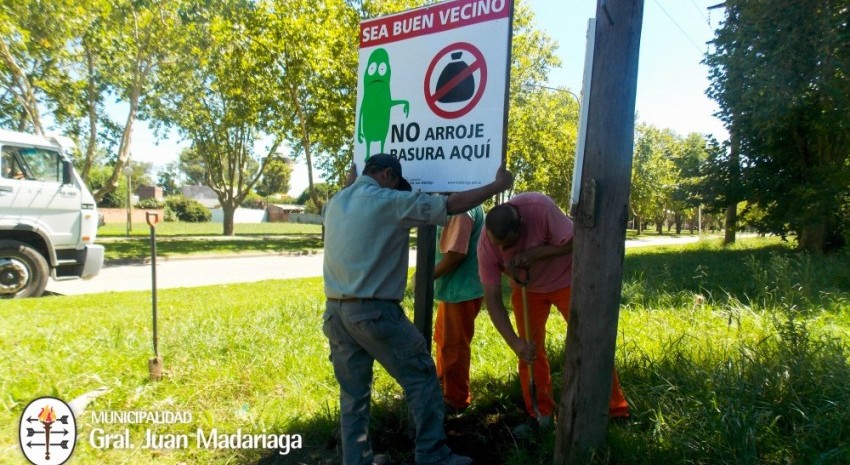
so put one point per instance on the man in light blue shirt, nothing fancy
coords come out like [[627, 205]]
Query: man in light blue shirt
[[367, 229]]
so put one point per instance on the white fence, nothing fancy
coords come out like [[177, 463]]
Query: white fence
[[241, 215]]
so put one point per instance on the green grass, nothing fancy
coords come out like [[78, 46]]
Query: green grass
[[727, 356], [133, 249], [179, 228], [187, 239]]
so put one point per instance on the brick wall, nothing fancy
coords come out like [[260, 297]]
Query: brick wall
[[119, 215]]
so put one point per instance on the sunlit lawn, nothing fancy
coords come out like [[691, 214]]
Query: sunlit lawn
[[729, 356]]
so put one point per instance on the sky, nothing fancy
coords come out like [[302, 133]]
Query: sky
[[671, 80]]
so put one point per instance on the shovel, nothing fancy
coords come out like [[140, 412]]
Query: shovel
[[526, 336]]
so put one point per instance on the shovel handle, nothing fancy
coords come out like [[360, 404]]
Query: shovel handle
[[152, 219], [532, 386], [517, 274]]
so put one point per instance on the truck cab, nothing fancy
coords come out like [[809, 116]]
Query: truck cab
[[48, 217]]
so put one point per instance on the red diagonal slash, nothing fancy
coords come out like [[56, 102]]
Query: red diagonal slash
[[455, 81]]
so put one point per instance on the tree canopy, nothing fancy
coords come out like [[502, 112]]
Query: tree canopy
[[779, 75]]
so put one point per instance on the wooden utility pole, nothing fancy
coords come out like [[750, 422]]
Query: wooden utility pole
[[423, 294], [600, 233]]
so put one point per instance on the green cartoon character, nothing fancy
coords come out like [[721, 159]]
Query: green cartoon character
[[373, 123]]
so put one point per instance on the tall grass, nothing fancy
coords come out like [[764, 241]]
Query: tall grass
[[739, 356], [727, 356]]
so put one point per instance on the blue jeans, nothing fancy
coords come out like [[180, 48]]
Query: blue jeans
[[360, 332]]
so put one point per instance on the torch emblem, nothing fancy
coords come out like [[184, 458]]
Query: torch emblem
[[48, 431]]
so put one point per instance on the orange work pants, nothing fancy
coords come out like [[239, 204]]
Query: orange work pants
[[453, 331], [539, 305]]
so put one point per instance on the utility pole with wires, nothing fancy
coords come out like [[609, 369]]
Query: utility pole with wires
[[599, 245]]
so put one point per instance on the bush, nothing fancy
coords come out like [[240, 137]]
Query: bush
[[280, 198], [188, 210], [150, 204], [253, 200]]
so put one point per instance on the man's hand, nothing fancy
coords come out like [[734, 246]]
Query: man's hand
[[504, 178], [525, 350], [523, 260], [351, 176]]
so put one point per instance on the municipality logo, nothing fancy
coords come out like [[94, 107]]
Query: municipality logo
[[48, 431]]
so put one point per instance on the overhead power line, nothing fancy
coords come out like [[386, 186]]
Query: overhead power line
[[699, 10], [680, 28]]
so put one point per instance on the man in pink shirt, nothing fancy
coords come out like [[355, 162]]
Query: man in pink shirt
[[530, 236]]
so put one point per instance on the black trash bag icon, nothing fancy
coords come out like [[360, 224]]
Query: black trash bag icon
[[463, 90]]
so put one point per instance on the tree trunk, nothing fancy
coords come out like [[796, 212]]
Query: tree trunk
[[678, 220], [305, 144], [732, 208], [599, 245], [812, 237], [228, 209], [731, 224], [123, 155]]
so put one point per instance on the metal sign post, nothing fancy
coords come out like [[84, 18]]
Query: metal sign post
[[154, 364]]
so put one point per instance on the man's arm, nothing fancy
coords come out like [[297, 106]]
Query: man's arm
[[525, 350], [460, 202], [450, 262], [528, 257], [454, 244]]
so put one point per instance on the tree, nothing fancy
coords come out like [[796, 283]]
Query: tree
[[543, 122], [779, 76], [70, 57], [222, 96], [191, 165], [317, 87], [169, 179], [122, 49], [324, 190], [37, 59], [719, 186], [653, 175], [542, 138], [690, 156], [275, 178]]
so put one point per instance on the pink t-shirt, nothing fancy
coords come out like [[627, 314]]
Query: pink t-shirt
[[542, 223]]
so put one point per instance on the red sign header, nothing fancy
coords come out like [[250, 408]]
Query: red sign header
[[431, 19]]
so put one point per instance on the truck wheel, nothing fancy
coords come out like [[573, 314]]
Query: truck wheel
[[23, 271]]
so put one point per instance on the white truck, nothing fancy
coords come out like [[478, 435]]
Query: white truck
[[48, 217]]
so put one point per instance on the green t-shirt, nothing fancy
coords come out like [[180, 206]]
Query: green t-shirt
[[463, 283]]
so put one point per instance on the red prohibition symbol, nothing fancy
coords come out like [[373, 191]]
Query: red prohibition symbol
[[441, 90]]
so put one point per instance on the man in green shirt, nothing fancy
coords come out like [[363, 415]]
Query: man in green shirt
[[458, 290]]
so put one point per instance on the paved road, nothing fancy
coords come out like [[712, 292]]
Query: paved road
[[226, 270]]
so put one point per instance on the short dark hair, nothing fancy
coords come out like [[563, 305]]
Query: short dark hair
[[373, 169], [502, 220]]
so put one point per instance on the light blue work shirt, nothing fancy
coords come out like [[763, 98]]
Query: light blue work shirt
[[367, 234]]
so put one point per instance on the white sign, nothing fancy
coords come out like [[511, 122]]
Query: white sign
[[432, 92]]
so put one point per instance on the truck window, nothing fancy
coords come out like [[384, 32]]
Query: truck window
[[31, 163]]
